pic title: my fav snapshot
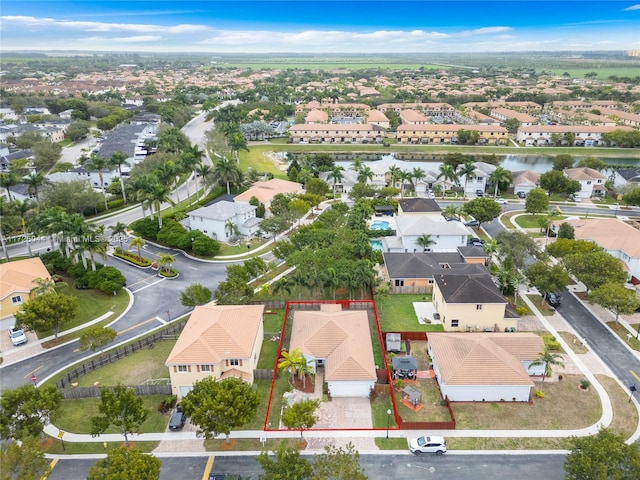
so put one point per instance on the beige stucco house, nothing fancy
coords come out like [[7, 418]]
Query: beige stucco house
[[220, 341], [339, 341], [17, 283], [472, 304]]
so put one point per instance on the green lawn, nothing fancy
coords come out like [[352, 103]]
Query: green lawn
[[379, 406], [396, 314], [85, 448], [75, 415], [135, 369], [91, 305], [531, 221], [241, 248], [268, 354], [281, 385]]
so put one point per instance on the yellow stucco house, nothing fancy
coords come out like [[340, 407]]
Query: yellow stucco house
[[17, 283], [472, 304], [220, 341]]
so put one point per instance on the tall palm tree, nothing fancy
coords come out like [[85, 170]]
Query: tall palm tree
[[331, 279], [283, 285], [8, 180], [169, 175], [500, 176], [119, 229], [365, 174], [47, 222], [394, 174], [425, 241], [117, 159], [25, 209], [291, 361], [138, 243], [232, 228], [96, 243], [356, 165], [405, 176], [226, 171], [336, 175], [417, 174], [490, 247], [96, 162], [34, 181], [204, 172], [468, 171], [159, 194], [452, 211], [448, 174], [548, 359]]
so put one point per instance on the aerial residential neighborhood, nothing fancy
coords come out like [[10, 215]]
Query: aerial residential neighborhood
[[236, 245]]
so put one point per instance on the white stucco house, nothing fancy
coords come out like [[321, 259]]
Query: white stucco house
[[214, 220], [591, 181], [485, 367]]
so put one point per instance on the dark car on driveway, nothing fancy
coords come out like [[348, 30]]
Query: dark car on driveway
[[178, 419]]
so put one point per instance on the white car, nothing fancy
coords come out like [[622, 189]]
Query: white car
[[17, 336], [502, 201], [427, 444]]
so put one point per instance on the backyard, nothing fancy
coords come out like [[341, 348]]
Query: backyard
[[396, 314]]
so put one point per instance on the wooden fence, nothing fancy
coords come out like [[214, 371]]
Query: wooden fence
[[263, 374], [450, 425], [170, 331], [90, 392]]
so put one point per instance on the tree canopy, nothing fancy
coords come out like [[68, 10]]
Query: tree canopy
[[595, 268], [537, 201], [119, 407], [126, 463], [195, 294], [483, 209], [47, 312], [26, 410]]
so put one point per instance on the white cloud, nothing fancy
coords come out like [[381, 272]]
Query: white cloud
[[631, 8], [133, 39]]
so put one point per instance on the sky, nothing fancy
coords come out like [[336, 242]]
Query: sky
[[329, 26]]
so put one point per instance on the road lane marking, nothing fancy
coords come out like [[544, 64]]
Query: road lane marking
[[147, 286], [635, 375], [52, 465], [207, 468], [137, 325], [161, 320], [33, 371], [144, 280]]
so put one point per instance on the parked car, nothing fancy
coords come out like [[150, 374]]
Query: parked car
[[479, 193], [476, 242], [553, 299], [178, 419], [427, 444], [17, 336], [502, 201], [576, 197], [472, 223], [521, 195]]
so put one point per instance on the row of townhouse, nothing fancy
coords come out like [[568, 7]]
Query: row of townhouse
[[430, 109], [524, 107], [441, 134], [334, 109], [540, 135], [504, 114], [336, 133]]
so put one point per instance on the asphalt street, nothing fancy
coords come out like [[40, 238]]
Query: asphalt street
[[458, 466]]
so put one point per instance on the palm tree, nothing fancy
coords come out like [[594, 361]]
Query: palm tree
[[500, 176], [291, 361], [117, 159], [231, 228], [356, 165], [24, 209], [165, 261], [468, 170], [119, 229], [365, 174], [138, 243], [169, 175], [47, 222], [7, 180], [336, 175], [34, 181], [548, 359], [417, 174], [405, 176], [97, 243], [204, 172], [158, 194], [425, 241], [490, 247], [96, 162], [283, 285], [394, 174], [44, 285], [448, 174], [330, 279], [452, 211], [226, 171]]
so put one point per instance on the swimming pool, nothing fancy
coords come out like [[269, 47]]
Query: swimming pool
[[380, 225], [376, 245]]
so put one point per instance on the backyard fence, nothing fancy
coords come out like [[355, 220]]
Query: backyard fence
[[450, 425], [90, 392], [169, 331], [263, 374]]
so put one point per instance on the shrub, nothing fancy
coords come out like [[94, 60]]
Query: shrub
[[145, 227], [171, 233], [115, 203], [205, 246], [172, 272], [539, 394], [107, 279], [584, 383], [522, 311], [132, 257], [551, 342]]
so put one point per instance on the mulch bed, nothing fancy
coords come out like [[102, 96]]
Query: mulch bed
[[307, 385]]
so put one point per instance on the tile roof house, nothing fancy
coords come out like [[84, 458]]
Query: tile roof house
[[524, 181], [213, 220], [218, 340], [591, 181], [471, 303], [488, 367], [264, 191], [617, 238], [624, 176], [17, 282], [340, 341]]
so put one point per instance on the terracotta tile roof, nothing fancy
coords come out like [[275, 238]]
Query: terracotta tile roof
[[584, 173], [266, 190], [484, 358], [18, 276], [341, 338], [217, 332], [611, 234]]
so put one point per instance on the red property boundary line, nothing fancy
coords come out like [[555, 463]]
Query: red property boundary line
[[347, 304]]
